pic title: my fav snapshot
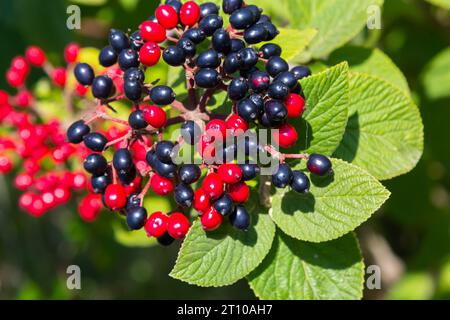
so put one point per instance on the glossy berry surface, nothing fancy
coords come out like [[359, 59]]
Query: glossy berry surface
[[211, 219], [190, 13], [156, 225], [213, 185], [300, 182], [240, 218], [115, 197], [178, 225], [167, 16], [189, 173], [184, 195], [84, 74], [95, 141], [162, 95], [136, 218], [77, 131], [319, 165], [239, 192], [282, 177]]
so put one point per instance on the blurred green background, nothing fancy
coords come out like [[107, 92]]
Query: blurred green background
[[409, 238]]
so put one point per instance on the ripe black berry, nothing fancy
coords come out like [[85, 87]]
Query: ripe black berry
[[84, 74], [188, 47], [237, 45], [319, 165], [247, 110], [77, 131], [272, 31], [300, 182], [184, 195], [136, 218], [189, 173], [166, 240], [240, 218], [301, 72], [191, 132], [166, 170], [237, 89], [136, 41], [127, 176], [118, 40], [133, 201], [249, 58], [210, 24], [132, 89], [95, 141], [174, 56], [229, 6], [164, 151], [270, 50], [196, 35], [99, 183], [255, 34], [249, 171], [259, 81], [224, 205], [162, 95], [278, 90], [151, 158], [221, 41], [102, 87], [122, 159], [107, 57], [276, 65], [288, 78], [95, 164], [258, 100], [255, 10], [176, 4], [275, 110], [282, 177], [137, 121], [207, 78], [128, 59], [134, 74], [208, 8], [232, 63], [208, 59], [242, 19]]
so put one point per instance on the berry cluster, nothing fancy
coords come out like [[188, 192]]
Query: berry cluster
[[265, 93], [36, 148]]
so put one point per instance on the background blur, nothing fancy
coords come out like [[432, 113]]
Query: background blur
[[409, 238]]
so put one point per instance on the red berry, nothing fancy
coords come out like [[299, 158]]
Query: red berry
[[216, 130], [71, 52], [178, 225], [6, 164], [79, 181], [24, 98], [20, 65], [155, 116], [35, 56], [14, 78], [167, 16], [37, 207], [236, 125], [295, 105], [62, 195], [115, 197], [26, 200], [190, 13], [49, 200], [161, 186], [23, 181], [4, 98], [134, 186], [149, 54], [81, 90], [152, 31], [206, 148], [286, 136], [239, 192], [213, 185], [59, 77], [230, 173], [211, 220], [156, 225], [201, 201], [90, 207]]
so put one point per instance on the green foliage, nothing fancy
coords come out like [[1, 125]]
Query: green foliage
[[436, 79], [441, 3]]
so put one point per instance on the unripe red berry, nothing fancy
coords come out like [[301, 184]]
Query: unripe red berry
[[81, 90], [190, 13], [90, 207], [59, 76], [71, 52], [35, 56], [213, 185], [20, 65], [206, 148], [37, 207], [49, 200], [201, 201], [14, 78], [295, 105], [211, 220], [24, 98], [152, 31], [134, 186], [178, 225], [6, 164], [237, 125], [23, 181], [62, 195], [26, 200], [149, 54], [115, 197], [155, 116], [4, 98], [230, 173], [79, 181], [216, 130], [161, 186], [156, 225], [167, 16], [286, 136], [239, 192]]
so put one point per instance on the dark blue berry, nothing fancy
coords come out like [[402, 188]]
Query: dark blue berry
[[208, 59], [136, 218], [188, 47], [208, 8], [270, 50], [164, 151], [176, 4], [237, 45], [259, 81], [224, 205], [84, 74], [288, 79], [95, 164], [77, 131], [122, 159], [249, 171], [278, 90], [229, 6], [189, 173], [240, 218], [184, 195], [282, 177], [174, 56], [128, 59], [232, 63], [136, 41], [102, 87], [247, 110], [301, 72], [127, 176], [242, 18], [132, 89], [162, 95], [207, 78], [137, 121], [191, 132], [275, 110], [196, 35], [151, 158], [108, 57], [133, 201], [210, 24], [134, 74], [300, 182], [118, 40], [166, 170], [221, 41], [319, 165], [249, 58], [276, 65], [255, 34], [258, 100], [166, 240], [237, 89], [99, 183], [95, 141], [272, 31]]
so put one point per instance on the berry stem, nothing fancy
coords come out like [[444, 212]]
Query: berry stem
[[146, 188]]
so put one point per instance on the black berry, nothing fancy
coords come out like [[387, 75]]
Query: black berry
[[282, 177], [95, 141], [137, 121], [136, 218], [300, 182], [95, 164], [84, 74], [162, 95], [77, 131], [240, 218], [184, 195], [319, 165]]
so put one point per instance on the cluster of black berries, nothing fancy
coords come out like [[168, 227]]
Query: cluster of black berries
[[264, 90]]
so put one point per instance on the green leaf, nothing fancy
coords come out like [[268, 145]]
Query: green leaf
[[441, 3], [176, 78], [224, 256], [413, 286], [90, 2], [373, 62], [294, 41], [384, 133], [338, 21], [335, 206], [298, 270], [326, 111], [436, 78]]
